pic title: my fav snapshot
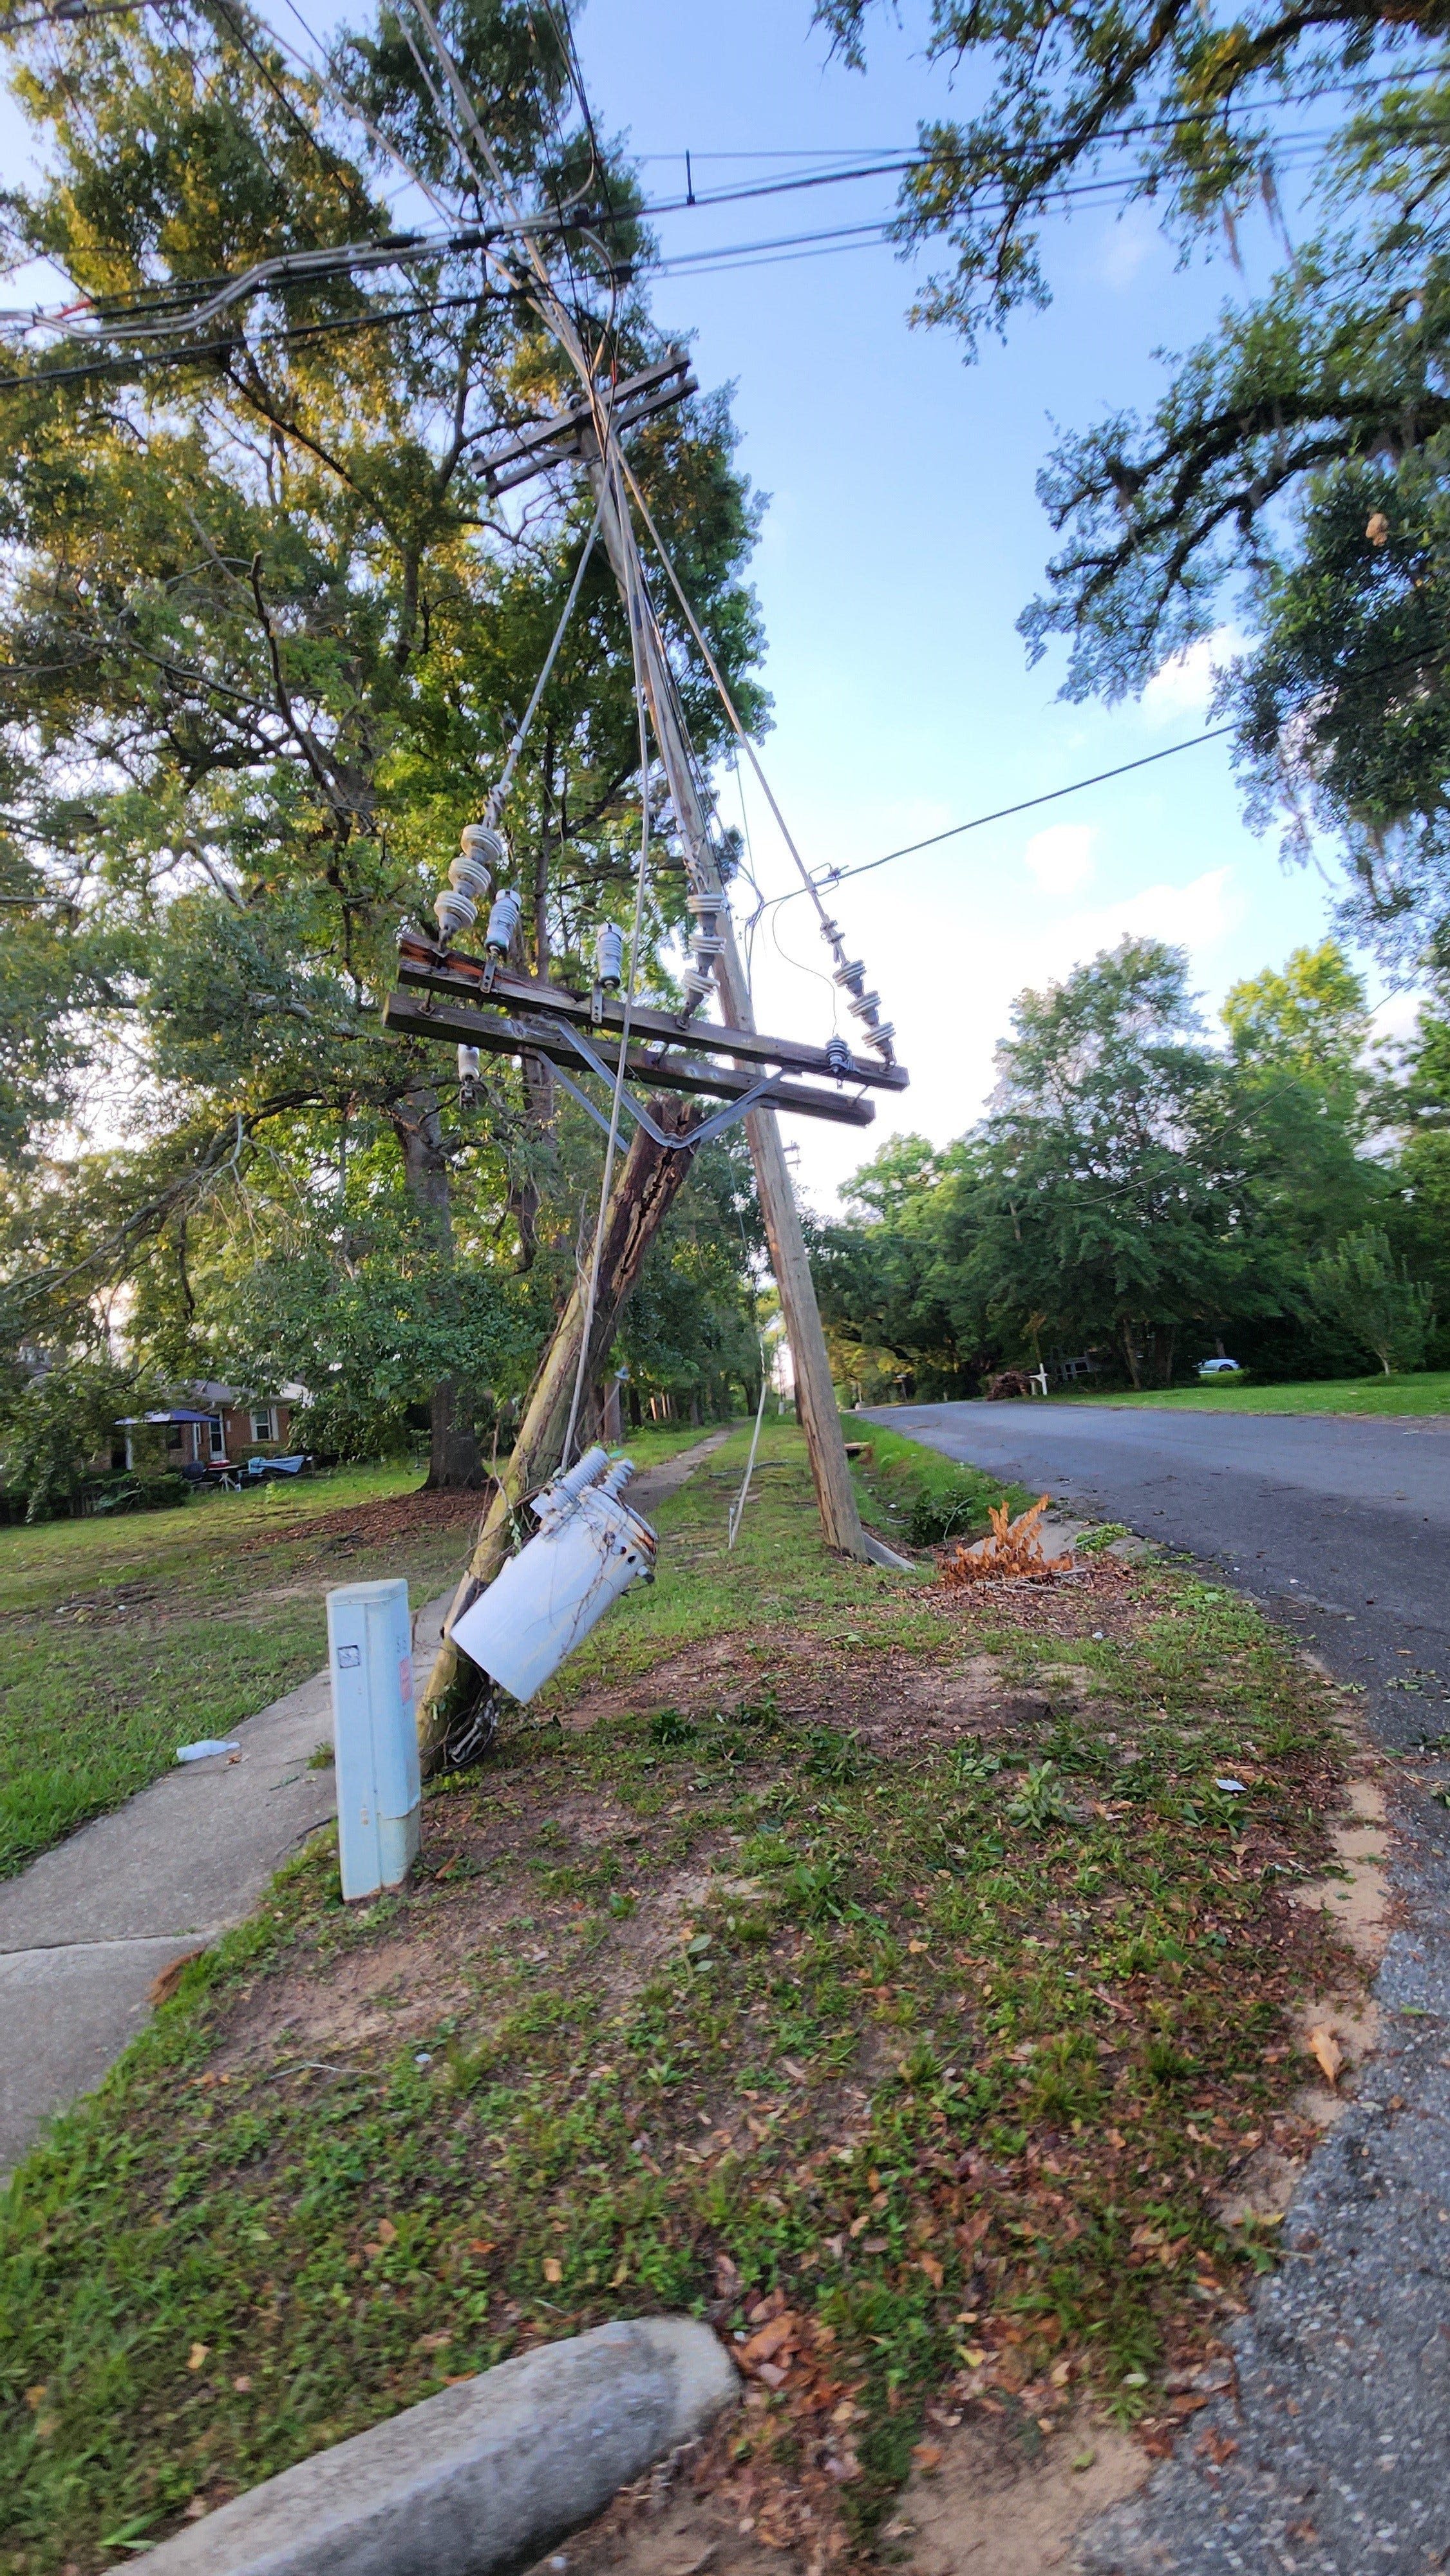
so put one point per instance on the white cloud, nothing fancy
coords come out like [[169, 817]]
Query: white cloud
[[1195, 916], [1061, 858], [1185, 685]]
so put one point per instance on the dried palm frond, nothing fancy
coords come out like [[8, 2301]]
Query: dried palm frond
[[1014, 1549]]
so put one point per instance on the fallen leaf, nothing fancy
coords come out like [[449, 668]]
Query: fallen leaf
[[553, 2268], [916, 1947], [1060, 2373], [1084, 2460], [620, 2275], [197, 2355], [242, 2385], [1325, 2047], [928, 2264], [1217, 2447], [434, 2342], [927, 2455], [387, 2231], [34, 2395], [763, 2346]]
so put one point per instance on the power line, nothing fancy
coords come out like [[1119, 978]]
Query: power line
[[838, 876]]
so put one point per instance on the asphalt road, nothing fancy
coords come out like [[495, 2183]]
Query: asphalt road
[[1342, 1525], [1332, 2456]]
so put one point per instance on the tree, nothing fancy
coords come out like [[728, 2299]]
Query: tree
[[55, 1423], [1114, 1208], [268, 633], [1363, 1289], [1301, 448]]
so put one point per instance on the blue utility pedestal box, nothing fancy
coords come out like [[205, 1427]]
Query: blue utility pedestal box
[[374, 1734]]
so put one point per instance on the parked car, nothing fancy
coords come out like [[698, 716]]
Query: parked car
[[1219, 1368]]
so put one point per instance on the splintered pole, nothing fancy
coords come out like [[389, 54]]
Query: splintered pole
[[646, 1186], [820, 1416]]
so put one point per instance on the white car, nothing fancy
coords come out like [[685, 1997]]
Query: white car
[[1219, 1368]]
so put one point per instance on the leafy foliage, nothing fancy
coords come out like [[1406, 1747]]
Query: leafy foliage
[[1361, 1287], [1136, 1194]]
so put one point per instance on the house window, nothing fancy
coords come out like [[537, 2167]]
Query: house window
[[264, 1422], [218, 1442]]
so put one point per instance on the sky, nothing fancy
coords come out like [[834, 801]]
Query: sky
[[901, 540]]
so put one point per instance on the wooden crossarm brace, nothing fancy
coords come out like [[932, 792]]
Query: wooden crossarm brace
[[432, 1018]]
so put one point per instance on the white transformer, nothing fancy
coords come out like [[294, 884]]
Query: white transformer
[[374, 1734], [588, 1548]]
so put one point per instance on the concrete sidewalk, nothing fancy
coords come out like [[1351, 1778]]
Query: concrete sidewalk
[[88, 1928]]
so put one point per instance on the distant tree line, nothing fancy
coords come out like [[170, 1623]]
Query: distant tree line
[[1147, 1197]]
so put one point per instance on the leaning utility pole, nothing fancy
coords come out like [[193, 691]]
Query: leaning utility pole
[[595, 437], [820, 1417]]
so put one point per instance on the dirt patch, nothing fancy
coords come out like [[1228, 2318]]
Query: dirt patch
[[989, 2498], [991, 2508], [374, 1524]]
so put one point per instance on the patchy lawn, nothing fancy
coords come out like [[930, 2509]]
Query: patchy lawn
[[878, 1973], [120, 1639], [1424, 1391]]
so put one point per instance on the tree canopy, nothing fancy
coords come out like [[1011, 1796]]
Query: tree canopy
[[267, 633], [1140, 1197], [1294, 467]]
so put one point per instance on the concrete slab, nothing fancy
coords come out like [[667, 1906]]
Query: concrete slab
[[482, 2477]]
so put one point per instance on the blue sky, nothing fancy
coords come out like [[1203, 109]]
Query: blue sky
[[902, 539]]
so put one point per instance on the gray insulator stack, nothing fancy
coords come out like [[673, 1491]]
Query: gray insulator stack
[[481, 854], [706, 944], [864, 1006]]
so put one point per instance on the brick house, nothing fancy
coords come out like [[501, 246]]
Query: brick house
[[219, 1426]]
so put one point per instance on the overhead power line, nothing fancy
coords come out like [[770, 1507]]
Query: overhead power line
[[1000, 814]]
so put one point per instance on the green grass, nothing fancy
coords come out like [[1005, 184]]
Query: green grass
[[912, 1492], [120, 1639], [778, 1982], [1426, 1391]]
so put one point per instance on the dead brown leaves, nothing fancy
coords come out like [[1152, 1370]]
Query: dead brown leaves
[[1013, 1550]]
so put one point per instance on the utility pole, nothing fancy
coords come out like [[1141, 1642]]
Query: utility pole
[[835, 1494]]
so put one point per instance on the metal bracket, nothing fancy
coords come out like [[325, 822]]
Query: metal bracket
[[671, 1144]]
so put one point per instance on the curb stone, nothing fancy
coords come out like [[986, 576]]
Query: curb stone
[[487, 2475]]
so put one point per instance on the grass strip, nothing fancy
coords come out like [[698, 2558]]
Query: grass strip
[[909, 1491], [880, 1974], [1425, 1391]]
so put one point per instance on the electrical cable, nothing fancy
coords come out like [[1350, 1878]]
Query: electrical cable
[[606, 1178], [838, 876]]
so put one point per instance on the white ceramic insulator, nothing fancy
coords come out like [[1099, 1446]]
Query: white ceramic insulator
[[503, 921], [468, 1064], [454, 911], [706, 945], [609, 954]]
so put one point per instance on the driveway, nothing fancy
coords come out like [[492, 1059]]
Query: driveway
[[1333, 2455]]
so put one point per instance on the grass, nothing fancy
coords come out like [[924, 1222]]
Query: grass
[[829, 1950], [1426, 1391], [120, 1639], [911, 1492]]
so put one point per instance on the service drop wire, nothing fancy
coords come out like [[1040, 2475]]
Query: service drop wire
[[641, 883]]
